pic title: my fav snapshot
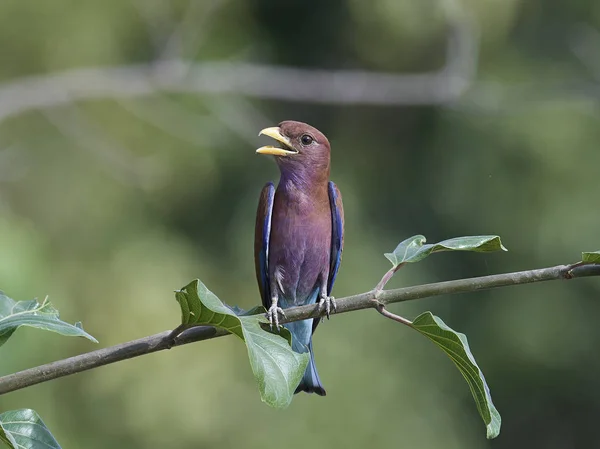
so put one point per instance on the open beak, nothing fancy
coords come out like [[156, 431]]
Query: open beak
[[275, 133]]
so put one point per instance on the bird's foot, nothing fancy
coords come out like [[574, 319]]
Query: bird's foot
[[328, 302], [273, 315]]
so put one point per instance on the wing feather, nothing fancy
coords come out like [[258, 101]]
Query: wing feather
[[337, 235], [262, 235]]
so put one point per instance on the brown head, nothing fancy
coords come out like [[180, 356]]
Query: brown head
[[304, 151]]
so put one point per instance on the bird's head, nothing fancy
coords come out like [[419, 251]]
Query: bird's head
[[302, 148]]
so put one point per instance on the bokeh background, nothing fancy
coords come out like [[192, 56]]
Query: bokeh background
[[127, 169]]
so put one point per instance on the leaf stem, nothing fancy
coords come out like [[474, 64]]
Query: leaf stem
[[172, 337], [386, 313], [371, 299], [386, 277]]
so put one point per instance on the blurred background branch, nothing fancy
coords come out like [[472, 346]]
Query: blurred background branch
[[169, 73]]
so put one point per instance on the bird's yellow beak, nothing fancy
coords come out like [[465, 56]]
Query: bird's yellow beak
[[275, 133]]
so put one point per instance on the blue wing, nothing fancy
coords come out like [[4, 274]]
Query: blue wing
[[262, 234], [337, 236]]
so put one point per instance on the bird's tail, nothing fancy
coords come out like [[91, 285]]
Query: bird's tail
[[302, 342]]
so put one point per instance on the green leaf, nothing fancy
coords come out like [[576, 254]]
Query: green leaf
[[14, 314], [591, 257], [24, 428], [276, 367], [456, 346], [414, 248]]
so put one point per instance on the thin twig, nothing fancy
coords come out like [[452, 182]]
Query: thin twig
[[366, 300], [386, 278], [159, 20], [386, 313], [584, 43], [194, 25]]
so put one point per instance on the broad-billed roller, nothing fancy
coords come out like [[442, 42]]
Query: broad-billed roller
[[299, 235]]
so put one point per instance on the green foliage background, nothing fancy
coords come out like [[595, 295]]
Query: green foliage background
[[110, 224]]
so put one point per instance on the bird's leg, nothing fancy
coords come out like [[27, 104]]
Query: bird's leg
[[273, 313], [326, 301]]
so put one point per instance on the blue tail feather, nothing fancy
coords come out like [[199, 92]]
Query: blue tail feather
[[302, 342], [310, 381]]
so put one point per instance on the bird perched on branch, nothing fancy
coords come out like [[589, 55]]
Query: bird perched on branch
[[299, 235]]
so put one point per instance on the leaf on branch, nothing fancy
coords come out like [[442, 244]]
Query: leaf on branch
[[14, 314], [414, 249], [456, 346], [25, 429], [591, 257], [276, 367]]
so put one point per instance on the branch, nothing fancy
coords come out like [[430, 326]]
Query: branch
[[371, 299]]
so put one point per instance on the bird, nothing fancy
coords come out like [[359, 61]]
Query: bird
[[299, 235]]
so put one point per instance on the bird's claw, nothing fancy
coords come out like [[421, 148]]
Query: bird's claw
[[328, 302], [273, 316]]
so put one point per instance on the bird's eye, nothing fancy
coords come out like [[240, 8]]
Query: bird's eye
[[306, 139]]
